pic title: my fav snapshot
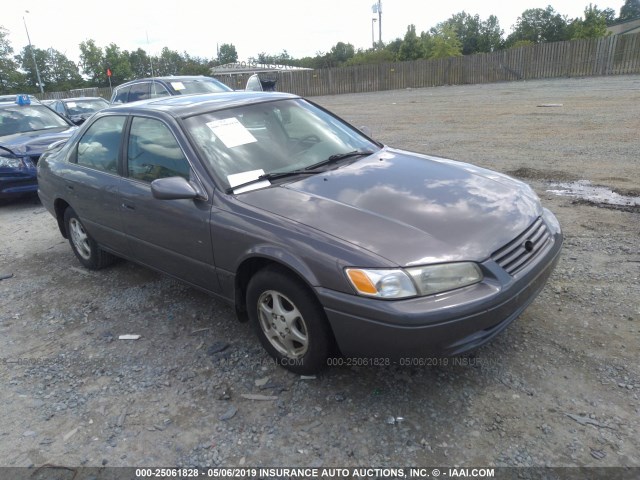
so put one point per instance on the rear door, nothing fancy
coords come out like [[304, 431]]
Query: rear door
[[170, 235], [92, 181]]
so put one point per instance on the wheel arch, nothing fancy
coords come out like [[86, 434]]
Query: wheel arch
[[60, 206], [262, 258]]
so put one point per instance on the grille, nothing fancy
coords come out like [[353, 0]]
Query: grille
[[517, 254]]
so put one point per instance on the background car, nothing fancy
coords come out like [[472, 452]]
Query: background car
[[166, 86], [261, 82], [77, 109], [323, 238], [26, 130]]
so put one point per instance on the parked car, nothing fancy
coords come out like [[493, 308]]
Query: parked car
[[261, 83], [26, 129], [144, 88], [323, 238], [77, 109]]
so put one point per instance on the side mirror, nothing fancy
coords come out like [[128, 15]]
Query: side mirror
[[173, 188]]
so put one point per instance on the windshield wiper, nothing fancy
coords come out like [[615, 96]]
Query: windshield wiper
[[339, 156], [270, 176]]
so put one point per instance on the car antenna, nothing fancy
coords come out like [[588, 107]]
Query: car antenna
[[148, 48]]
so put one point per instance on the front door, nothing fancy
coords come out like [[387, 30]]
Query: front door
[[170, 235]]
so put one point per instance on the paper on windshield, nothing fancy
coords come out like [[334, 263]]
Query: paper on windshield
[[177, 86], [231, 132], [244, 177]]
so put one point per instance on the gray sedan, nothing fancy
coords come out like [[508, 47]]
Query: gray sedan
[[334, 246]]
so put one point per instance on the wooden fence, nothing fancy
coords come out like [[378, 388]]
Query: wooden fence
[[613, 55]]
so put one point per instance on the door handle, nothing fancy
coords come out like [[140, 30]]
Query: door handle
[[128, 206]]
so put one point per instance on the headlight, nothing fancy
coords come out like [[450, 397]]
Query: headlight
[[447, 276], [551, 220], [401, 283], [6, 162]]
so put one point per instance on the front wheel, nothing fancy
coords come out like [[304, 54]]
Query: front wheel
[[84, 247], [289, 321]]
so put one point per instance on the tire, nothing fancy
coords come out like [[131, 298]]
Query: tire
[[289, 321], [84, 247]]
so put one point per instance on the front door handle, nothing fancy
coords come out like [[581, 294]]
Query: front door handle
[[128, 206]]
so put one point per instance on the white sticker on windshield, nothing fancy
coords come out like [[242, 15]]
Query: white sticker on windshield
[[71, 104], [231, 132], [244, 177], [177, 86]]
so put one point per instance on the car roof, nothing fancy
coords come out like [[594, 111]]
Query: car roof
[[78, 99], [169, 78], [184, 106]]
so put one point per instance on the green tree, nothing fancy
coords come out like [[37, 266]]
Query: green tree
[[140, 64], [169, 62], [490, 35], [412, 47], [60, 73], [11, 81], [442, 43], [227, 54], [594, 24], [340, 53], [540, 25], [119, 63], [474, 34], [93, 62], [25, 62], [195, 65], [630, 10]]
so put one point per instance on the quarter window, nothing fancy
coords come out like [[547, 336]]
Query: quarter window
[[100, 144], [154, 152]]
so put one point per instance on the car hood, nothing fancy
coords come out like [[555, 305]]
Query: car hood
[[409, 208], [36, 142]]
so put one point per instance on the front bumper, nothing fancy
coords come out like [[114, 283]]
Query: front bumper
[[447, 324]]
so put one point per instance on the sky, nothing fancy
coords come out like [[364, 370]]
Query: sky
[[302, 28]]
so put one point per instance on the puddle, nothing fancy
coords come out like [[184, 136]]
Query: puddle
[[584, 190]]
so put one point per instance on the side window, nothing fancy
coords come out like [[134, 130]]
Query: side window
[[139, 91], [59, 107], [99, 146], [121, 95], [154, 152], [158, 90]]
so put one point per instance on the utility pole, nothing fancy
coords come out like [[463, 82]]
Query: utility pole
[[377, 8], [33, 55]]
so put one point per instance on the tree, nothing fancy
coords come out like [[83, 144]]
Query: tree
[[442, 43], [140, 63], [630, 10], [26, 63], [168, 63], [93, 63], [412, 47], [540, 25], [227, 54], [119, 64], [490, 35], [475, 35], [340, 53], [11, 81], [594, 24], [60, 73]]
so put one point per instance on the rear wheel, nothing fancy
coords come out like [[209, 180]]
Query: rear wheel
[[289, 321], [84, 247]]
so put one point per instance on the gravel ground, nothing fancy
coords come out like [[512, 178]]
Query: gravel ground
[[559, 387]]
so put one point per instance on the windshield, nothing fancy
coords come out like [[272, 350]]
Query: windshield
[[84, 107], [28, 118], [271, 137], [199, 85]]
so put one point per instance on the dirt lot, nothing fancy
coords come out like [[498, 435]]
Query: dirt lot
[[560, 387]]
